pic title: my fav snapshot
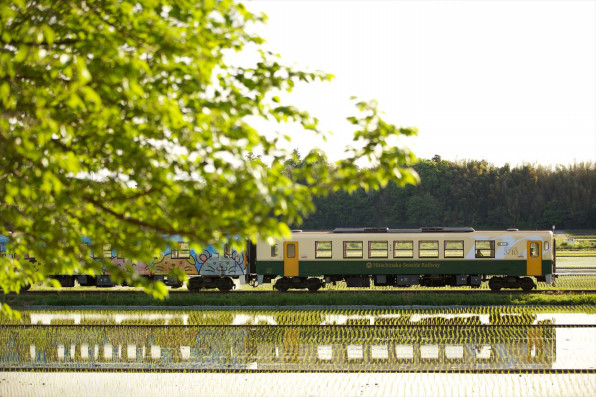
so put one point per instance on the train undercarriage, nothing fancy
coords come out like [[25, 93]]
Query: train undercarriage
[[195, 284], [313, 284], [495, 283], [104, 281]]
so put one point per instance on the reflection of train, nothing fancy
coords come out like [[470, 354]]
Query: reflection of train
[[388, 257], [333, 317], [279, 348]]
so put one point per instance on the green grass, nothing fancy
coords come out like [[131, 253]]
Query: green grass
[[584, 244], [586, 233], [371, 298], [575, 262], [591, 253]]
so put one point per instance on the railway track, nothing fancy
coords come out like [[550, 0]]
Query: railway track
[[322, 292]]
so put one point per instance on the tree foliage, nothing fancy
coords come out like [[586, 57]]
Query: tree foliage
[[122, 121], [470, 193]]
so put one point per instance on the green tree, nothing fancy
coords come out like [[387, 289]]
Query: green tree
[[471, 193], [423, 211], [121, 120]]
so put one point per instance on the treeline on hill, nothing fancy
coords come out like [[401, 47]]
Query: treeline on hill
[[469, 193]]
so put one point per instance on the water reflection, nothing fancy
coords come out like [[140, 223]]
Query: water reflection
[[291, 348], [301, 340], [305, 317]]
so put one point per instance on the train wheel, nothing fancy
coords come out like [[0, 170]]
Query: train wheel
[[66, 281], [495, 284], [194, 284], [527, 284], [282, 285], [225, 284], [313, 284]]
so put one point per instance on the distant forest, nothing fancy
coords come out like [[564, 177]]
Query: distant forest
[[469, 193]]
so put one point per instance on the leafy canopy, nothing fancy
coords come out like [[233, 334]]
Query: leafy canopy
[[122, 121]]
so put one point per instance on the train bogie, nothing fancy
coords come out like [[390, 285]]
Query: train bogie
[[224, 284], [313, 284]]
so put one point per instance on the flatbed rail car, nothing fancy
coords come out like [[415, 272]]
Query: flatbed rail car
[[406, 257]]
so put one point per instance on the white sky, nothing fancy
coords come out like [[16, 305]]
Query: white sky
[[505, 81]]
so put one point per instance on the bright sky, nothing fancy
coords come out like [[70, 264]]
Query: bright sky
[[505, 81]]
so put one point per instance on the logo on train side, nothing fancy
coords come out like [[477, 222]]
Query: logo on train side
[[370, 265]]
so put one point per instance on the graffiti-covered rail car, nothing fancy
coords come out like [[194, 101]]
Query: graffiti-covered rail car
[[209, 267]]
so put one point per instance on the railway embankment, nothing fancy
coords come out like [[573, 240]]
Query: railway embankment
[[368, 298]]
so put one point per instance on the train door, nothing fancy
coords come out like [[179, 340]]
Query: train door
[[534, 260], [291, 258]]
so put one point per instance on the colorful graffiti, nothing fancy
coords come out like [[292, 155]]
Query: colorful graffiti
[[139, 267], [208, 263], [211, 263], [167, 263]]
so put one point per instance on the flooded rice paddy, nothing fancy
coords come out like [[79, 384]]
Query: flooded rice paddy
[[302, 340], [365, 350]]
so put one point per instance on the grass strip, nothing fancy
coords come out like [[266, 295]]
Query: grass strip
[[302, 299]]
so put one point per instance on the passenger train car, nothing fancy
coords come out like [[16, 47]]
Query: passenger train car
[[405, 257], [383, 256]]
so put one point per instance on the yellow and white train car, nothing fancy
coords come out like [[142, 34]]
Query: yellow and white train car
[[403, 257]]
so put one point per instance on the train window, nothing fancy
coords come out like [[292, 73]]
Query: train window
[[184, 250], [107, 251], [403, 249], [176, 254], [274, 250], [534, 250], [323, 249], [227, 251], [378, 249], [291, 250], [485, 249], [428, 249], [352, 249], [454, 249]]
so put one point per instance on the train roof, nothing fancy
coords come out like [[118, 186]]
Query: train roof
[[419, 230], [422, 230]]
